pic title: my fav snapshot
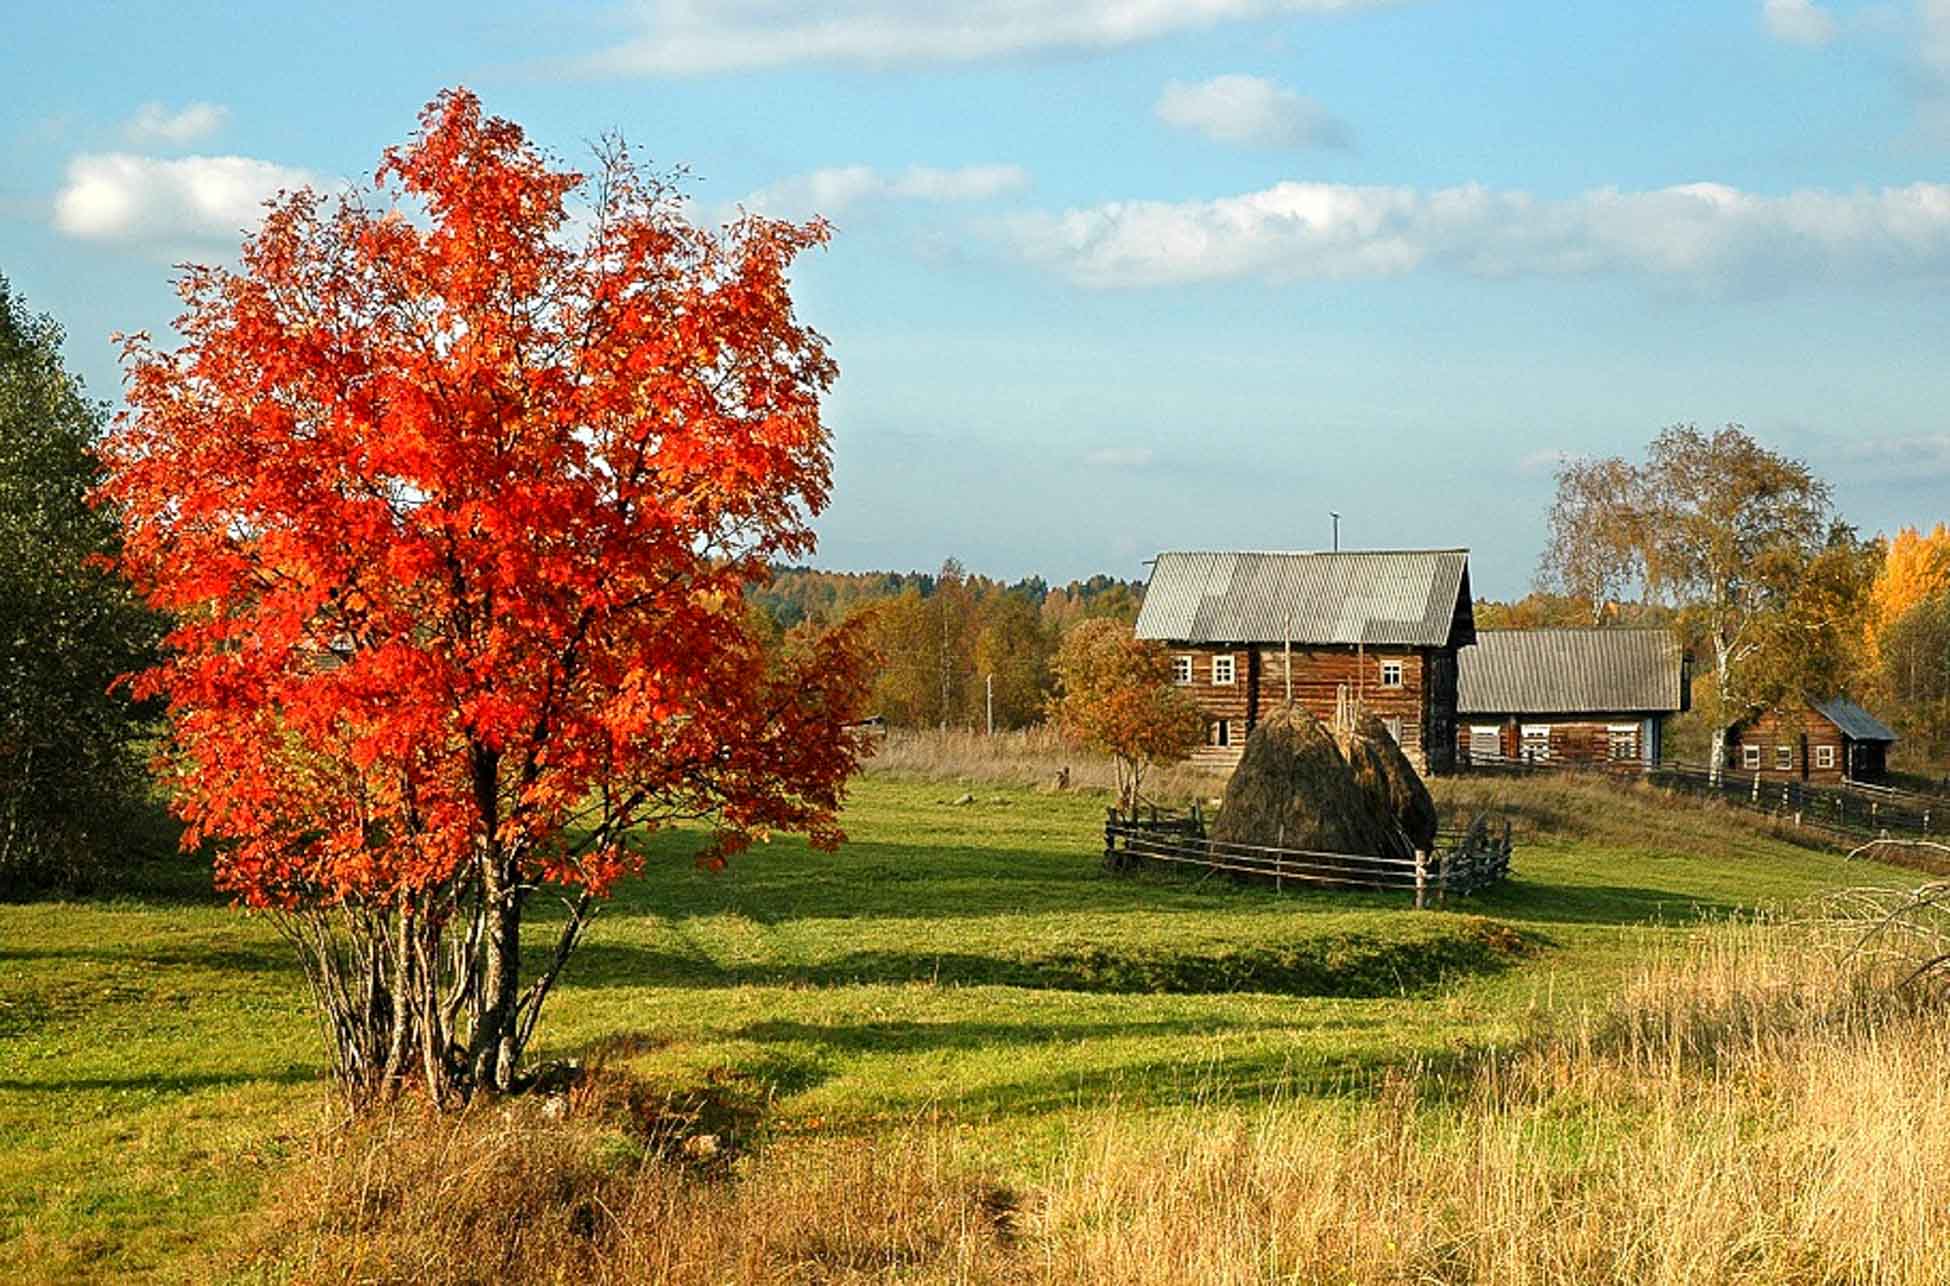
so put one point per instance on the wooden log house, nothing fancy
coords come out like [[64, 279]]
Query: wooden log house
[[1571, 696], [1823, 741], [1382, 627]]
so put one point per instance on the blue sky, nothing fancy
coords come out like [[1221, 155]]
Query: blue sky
[[1114, 276]]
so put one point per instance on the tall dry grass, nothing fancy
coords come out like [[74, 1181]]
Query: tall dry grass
[[1024, 757], [1764, 1107]]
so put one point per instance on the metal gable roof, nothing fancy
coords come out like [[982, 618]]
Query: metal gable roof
[[1401, 598], [1855, 722], [1564, 671]]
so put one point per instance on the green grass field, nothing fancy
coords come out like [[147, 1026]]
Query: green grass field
[[969, 964]]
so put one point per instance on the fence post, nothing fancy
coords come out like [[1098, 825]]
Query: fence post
[[1110, 839], [1442, 877], [1421, 879]]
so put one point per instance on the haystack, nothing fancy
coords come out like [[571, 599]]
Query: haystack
[[1383, 771], [1293, 790]]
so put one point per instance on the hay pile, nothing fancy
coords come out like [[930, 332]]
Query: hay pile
[[1383, 771], [1293, 789]]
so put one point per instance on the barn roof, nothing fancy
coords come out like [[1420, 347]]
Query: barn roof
[[1398, 598], [1571, 672], [1856, 723]]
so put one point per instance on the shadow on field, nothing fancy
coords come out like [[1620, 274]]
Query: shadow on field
[[273, 957], [1529, 901], [165, 1082], [1358, 964]]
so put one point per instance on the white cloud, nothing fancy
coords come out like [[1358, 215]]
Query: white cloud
[[1706, 233], [834, 190], [968, 183], [1251, 111], [1119, 457], [691, 37], [154, 123], [1799, 22], [116, 196]]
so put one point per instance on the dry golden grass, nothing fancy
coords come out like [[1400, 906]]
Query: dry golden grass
[[1766, 1107], [1024, 757]]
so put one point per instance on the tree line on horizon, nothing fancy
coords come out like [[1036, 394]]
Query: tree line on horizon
[[1736, 549], [952, 648]]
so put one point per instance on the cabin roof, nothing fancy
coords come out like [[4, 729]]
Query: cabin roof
[[1856, 723], [1383, 597], [1565, 671]]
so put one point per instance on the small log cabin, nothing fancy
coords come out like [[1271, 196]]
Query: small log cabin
[[1379, 626], [1571, 696], [1827, 741]]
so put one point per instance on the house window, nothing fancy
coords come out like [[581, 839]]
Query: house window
[[1485, 741], [1783, 758], [1220, 733], [1391, 674], [1181, 669], [1223, 669], [1622, 742], [1536, 742], [1824, 756], [1750, 758]]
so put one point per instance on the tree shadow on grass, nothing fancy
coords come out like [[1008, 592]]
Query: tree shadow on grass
[[1330, 967], [1530, 901], [165, 1082], [253, 958]]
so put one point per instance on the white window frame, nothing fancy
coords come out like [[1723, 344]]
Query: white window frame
[[1181, 670], [1524, 735], [1491, 731], [1750, 757], [1825, 756], [1783, 757], [1398, 669], [1614, 732], [1228, 664], [1219, 734]]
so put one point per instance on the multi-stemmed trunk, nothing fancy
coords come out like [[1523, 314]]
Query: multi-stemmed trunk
[[429, 990]]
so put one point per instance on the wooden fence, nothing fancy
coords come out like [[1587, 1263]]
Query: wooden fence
[[1847, 813], [1463, 862]]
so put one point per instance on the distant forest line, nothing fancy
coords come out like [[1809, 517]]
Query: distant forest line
[[957, 646]]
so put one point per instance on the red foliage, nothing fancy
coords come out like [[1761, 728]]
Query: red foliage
[[455, 501]]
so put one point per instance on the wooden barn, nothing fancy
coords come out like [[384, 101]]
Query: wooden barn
[[1831, 741], [1571, 696], [1380, 626]]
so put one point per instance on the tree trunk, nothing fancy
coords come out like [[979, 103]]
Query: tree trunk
[[491, 1055], [494, 1052]]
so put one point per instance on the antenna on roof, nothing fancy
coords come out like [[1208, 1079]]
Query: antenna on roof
[[1335, 515]]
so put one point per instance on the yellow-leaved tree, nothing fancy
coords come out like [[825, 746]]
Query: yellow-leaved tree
[[1916, 567]]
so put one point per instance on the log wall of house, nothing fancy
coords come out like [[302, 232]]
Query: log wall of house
[[1803, 732], [1576, 739], [1319, 675]]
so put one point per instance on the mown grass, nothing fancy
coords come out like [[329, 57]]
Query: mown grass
[[965, 966]]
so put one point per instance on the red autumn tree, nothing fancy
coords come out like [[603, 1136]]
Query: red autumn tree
[[1114, 693], [454, 497]]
